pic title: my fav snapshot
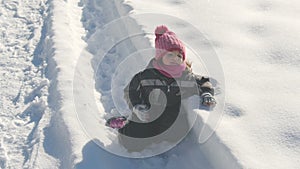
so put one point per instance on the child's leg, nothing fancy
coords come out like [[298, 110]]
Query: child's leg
[[133, 137]]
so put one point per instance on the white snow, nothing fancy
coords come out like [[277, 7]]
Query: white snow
[[64, 65]]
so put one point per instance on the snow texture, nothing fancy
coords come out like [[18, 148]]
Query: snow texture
[[63, 66]]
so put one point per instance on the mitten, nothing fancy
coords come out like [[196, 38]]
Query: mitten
[[208, 99], [141, 112]]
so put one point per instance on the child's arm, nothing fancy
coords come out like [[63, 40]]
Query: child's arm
[[206, 91], [204, 85], [132, 92]]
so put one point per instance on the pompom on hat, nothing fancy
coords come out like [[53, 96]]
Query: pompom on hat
[[165, 41]]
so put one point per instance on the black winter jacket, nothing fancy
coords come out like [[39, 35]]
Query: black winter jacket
[[164, 103]]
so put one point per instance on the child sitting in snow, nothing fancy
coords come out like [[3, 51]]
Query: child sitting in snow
[[154, 95]]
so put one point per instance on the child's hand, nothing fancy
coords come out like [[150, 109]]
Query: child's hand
[[208, 100], [141, 112]]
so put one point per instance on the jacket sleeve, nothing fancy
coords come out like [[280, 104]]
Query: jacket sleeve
[[132, 92], [204, 84]]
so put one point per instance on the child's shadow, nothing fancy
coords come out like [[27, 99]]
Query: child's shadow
[[94, 157]]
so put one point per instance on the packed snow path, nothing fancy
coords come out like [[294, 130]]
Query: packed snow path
[[24, 87]]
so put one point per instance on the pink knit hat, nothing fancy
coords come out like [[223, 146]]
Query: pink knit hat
[[165, 41]]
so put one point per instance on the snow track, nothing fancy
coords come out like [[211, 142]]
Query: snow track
[[24, 87]]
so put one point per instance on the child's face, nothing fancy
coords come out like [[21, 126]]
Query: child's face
[[172, 58]]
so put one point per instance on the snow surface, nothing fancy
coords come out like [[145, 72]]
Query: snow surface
[[64, 64]]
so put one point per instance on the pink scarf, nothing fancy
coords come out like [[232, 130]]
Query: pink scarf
[[171, 71]]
